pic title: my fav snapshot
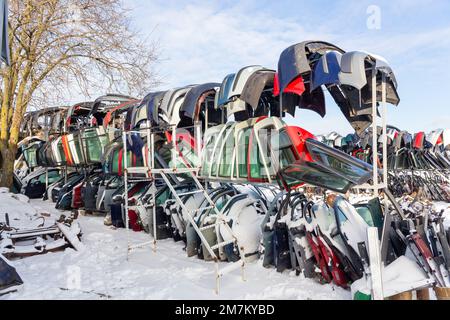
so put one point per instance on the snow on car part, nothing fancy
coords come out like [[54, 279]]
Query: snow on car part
[[245, 219]]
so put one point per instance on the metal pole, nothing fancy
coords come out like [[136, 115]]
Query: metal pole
[[384, 120], [125, 179], [151, 166], [374, 131], [198, 136], [149, 141], [375, 264], [206, 116], [152, 151], [46, 178], [174, 147], [155, 236]]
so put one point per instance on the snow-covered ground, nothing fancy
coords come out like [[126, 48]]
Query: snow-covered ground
[[102, 270]]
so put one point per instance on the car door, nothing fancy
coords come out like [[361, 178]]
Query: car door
[[242, 132], [36, 186], [320, 165], [226, 154], [259, 164], [210, 138]]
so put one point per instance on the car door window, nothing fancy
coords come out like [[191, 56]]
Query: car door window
[[282, 150], [53, 176], [208, 151], [310, 173], [94, 144], [243, 142], [226, 158], [188, 154], [260, 155], [216, 152], [340, 163]]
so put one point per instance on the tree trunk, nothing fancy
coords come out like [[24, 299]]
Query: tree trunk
[[8, 158]]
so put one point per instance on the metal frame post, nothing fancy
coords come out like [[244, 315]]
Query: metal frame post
[[384, 123], [375, 264], [377, 183], [151, 164], [46, 178], [149, 141], [374, 131], [125, 180], [174, 147], [198, 138]]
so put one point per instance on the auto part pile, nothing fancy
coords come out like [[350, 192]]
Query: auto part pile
[[215, 166], [418, 164], [326, 238], [24, 242]]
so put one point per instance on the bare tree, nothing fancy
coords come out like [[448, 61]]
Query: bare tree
[[56, 44]]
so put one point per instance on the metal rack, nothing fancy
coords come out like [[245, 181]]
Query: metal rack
[[375, 248], [378, 185], [151, 173]]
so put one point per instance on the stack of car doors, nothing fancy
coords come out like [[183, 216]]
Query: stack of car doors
[[30, 152], [34, 184], [417, 163], [327, 239], [266, 150], [88, 134], [242, 205]]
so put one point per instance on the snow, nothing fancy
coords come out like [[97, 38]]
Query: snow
[[102, 270], [21, 213], [401, 275]]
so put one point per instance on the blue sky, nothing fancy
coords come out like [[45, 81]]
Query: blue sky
[[202, 41]]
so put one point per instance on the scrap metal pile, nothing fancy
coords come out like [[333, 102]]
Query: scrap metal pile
[[215, 166], [418, 164]]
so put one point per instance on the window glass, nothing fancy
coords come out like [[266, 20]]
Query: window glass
[[30, 157], [75, 148], [221, 202], [188, 153], [282, 148], [255, 169], [215, 156], [93, 147], [207, 154], [227, 154], [365, 213], [257, 151], [61, 152], [53, 176], [162, 197], [78, 150], [34, 180], [115, 161], [351, 168], [307, 172], [243, 142]]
